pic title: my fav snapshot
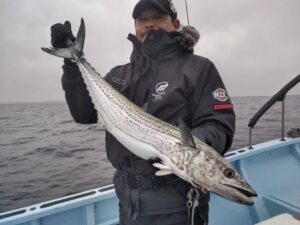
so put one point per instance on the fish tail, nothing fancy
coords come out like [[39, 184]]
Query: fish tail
[[75, 50]]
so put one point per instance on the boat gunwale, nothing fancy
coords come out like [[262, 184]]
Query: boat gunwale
[[260, 148], [39, 210]]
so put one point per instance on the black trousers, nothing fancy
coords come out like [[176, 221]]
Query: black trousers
[[166, 219]]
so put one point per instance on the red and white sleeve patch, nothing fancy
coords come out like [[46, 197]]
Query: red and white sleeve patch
[[223, 106]]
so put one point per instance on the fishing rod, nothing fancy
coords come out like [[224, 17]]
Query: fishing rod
[[187, 12]]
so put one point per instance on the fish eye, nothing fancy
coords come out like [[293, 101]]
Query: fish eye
[[229, 173]]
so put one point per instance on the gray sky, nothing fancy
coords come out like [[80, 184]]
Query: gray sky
[[255, 44]]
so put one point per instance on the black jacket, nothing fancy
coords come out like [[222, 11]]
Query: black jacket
[[169, 81]]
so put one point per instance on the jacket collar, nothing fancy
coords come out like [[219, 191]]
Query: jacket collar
[[158, 45]]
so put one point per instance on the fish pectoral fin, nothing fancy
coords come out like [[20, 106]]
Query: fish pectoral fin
[[163, 172], [161, 166], [164, 169]]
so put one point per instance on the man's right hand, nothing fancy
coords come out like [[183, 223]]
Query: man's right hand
[[60, 33]]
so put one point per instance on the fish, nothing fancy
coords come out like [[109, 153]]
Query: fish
[[148, 137]]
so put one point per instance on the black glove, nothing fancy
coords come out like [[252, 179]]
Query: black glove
[[60, 33]]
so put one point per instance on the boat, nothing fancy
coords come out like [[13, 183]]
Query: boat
[[272, 168]]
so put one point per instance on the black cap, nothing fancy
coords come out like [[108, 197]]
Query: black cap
[[165, 6]]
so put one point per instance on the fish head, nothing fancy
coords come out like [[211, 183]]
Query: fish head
[[211, 171]]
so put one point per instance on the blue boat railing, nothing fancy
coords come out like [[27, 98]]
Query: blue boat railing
[[95, 206], [279, 96]]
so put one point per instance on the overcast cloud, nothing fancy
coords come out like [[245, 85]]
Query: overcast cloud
[[255, 44]]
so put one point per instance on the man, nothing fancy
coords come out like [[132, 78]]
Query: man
[[170, 82]]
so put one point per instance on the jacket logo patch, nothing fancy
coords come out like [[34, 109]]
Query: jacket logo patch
[[221, 95], [160, 90]]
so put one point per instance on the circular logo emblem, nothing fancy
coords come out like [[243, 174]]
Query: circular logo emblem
[[221, 95]]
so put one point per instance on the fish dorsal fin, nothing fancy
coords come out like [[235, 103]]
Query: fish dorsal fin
[[186, 135], [163, 169]]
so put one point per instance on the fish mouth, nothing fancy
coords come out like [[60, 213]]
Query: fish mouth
[[236, 193], [247, 191]]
